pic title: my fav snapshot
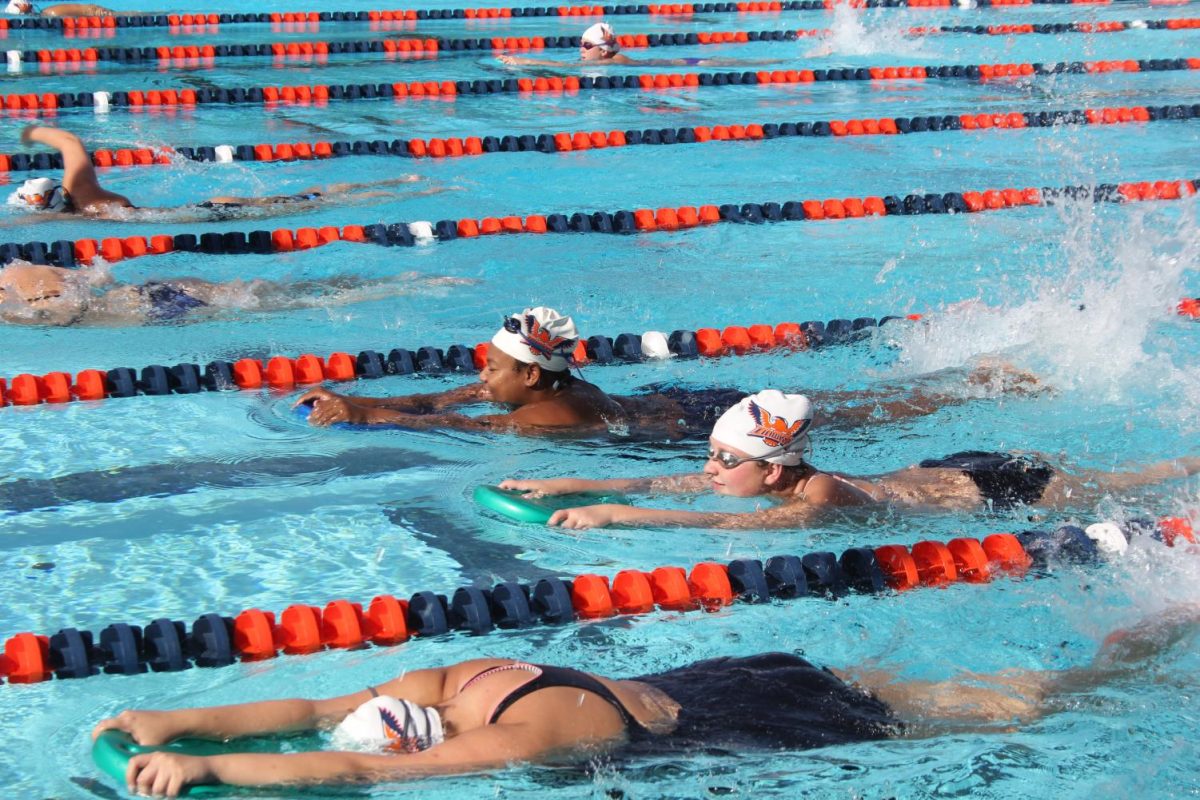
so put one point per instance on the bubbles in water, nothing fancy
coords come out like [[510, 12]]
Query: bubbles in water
[[855, 32]]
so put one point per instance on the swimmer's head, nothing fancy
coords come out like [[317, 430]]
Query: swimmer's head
[[35, 294], [539, 336], [20, 7], [755, 444], [41, 194], [531, 352], [598, 42], [389, 724], [769, 426]]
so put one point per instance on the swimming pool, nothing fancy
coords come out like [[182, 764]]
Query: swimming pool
[[132, 509]]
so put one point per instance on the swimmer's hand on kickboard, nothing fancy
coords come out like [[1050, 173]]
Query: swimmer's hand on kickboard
[[533, 507]]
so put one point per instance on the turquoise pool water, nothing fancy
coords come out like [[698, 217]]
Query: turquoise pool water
[[133, 509]]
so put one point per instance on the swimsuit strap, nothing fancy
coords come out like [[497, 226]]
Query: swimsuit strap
[[553, 677]]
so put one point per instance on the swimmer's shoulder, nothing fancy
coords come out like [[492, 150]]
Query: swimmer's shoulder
[[831, 489]]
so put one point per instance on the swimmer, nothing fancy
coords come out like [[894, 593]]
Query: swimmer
[[491, 713], [759, 448], [80, 191], [528, 370], [36, 294], [599, 46], [17, 7]]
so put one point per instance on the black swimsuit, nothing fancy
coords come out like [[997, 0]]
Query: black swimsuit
[[1003, 479], [764, 702], [547, 677], [768, 701], [167, 302], [700, 408]]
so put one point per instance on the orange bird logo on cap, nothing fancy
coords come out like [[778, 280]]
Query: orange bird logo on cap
[[540, 341], [775, 431]]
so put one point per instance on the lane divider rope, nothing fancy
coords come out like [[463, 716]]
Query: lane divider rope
[[565, 142], [503, 12], [214, 640], [270, 97], [67, 253], [283, 52], [283, 373]]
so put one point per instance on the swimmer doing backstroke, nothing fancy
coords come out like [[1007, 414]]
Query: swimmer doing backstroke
[[759, 448], [80, 191]]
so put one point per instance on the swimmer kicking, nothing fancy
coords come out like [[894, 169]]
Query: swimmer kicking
[[599, 46], [80, 191], [36, 294], [528, 370], [492, 713], [759, 448]]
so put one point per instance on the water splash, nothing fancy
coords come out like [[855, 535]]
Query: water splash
[[1095, 308], [854, 32]]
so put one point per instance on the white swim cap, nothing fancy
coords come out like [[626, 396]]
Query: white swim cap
[[20, 7], [771, 426], [539, 336], [1108, 536], [386, 723], [601, 34], [43, 194]]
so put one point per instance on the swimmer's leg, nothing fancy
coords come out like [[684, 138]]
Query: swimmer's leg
[[1018, 696], [1094, 484]]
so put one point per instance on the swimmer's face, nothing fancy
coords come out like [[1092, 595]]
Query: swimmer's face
[[597, 52], [747, 479], [506, 378], [39, 295]]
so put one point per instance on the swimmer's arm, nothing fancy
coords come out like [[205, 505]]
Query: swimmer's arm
[[76, 162], [79, 176], [231, 722], [520, 61], [428, 403], [601, 516], [488, 747], [555, 486]]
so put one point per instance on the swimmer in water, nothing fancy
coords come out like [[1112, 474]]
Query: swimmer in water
[[80, 191], [528, 370], [599, 46], [491, 713], [36, 294], [25, 7], [759, 448]]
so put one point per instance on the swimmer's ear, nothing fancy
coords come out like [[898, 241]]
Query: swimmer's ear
[[533, 374], [774, 473]]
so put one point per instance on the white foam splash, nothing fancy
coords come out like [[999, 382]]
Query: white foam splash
[[1093, 328], [855, 32]]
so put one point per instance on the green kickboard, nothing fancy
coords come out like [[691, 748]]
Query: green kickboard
[[113, 749], [520, 507]]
